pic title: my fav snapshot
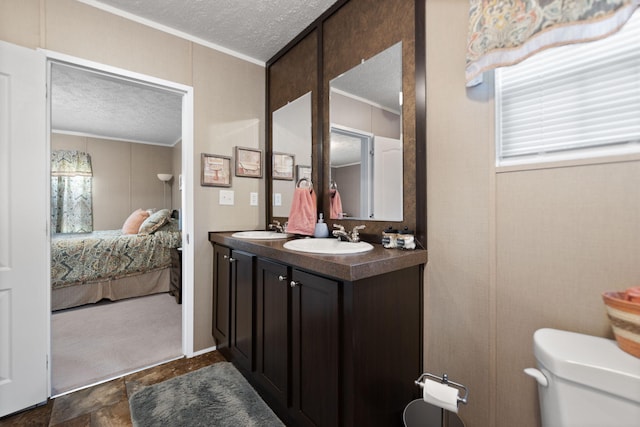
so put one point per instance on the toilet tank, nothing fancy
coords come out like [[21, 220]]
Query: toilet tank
[[591, 381]]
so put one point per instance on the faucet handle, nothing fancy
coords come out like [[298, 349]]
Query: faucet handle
[[355, 236], [339, 227], [276, 226]]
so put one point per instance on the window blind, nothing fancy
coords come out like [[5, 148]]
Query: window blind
[[571, 98]]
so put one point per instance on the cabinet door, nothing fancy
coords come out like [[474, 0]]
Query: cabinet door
[[315, 349], [221, 302], [272, 330], [241, 325]]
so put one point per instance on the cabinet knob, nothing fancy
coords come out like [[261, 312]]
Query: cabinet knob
[[293, 283], [232, 260], [282, 278], [225, 256]]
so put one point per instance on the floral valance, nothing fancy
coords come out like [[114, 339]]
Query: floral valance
[[504, 32], [70, 163]]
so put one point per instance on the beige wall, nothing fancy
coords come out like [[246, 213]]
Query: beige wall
[[229, 104], [510, 252], [124, 177]]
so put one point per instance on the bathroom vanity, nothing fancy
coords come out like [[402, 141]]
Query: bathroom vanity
[[327, 340]]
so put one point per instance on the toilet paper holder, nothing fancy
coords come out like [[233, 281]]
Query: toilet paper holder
[[444, 379]]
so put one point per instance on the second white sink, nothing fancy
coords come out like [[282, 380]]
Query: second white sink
[[327, 246], [259, 235]]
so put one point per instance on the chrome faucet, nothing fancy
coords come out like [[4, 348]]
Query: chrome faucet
[[277, 227], [341, 234]]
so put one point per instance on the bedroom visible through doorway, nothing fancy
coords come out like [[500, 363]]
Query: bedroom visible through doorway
[[128, 266]]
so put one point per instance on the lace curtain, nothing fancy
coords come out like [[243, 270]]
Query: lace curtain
[[505, 32], [71, 195]]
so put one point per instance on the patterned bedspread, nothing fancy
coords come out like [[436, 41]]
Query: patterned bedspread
[[78, 259]]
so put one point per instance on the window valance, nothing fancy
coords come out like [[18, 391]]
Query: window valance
[[70, 163], [505, 32]]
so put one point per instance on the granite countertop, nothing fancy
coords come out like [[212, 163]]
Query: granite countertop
[[350, 267]]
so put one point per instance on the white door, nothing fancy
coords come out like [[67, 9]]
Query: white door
[[24, 263], [387, 164]]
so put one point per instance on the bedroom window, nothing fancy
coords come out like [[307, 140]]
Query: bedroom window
[[71, 195], [571, 102]]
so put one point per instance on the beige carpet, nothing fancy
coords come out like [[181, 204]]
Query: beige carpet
[[98, 342]]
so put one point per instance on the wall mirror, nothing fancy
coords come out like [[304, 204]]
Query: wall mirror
[[291, 134], [365, 157]]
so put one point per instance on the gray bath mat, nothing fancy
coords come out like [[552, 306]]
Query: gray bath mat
[[217, 395]]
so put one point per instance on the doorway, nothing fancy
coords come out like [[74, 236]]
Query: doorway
[[122, 85]]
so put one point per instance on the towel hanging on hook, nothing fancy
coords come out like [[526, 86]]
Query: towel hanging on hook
[[335, 202], [302, 215]]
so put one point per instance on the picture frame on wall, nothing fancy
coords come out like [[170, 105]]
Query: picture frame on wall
[[283, 166], [216, 170], [303, 171], [248, 162]]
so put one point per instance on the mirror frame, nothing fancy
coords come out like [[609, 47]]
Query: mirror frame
[[320, 68]]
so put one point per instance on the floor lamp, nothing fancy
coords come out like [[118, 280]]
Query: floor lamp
[[165, 178]]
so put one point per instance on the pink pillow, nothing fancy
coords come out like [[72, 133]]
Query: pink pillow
[[135, 220]]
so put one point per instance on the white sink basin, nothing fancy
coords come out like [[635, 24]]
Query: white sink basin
[[327, 246], [259, 235]]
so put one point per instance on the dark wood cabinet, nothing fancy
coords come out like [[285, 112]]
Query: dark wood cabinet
[[175, 275], [324, 345], [233, 305], [242, 308], [272, 330], [315, 342], [297, 341], [221, 296]]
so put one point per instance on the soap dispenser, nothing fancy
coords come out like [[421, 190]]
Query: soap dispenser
[[321, 228]]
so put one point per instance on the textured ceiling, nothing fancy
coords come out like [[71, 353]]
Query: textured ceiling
[[257, 29], [99, 105]]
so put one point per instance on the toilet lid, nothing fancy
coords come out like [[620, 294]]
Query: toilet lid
[[593, 361]]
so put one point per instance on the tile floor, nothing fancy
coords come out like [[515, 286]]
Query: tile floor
[[105, 404]]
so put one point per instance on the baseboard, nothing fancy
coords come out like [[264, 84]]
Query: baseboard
[[203, 351]]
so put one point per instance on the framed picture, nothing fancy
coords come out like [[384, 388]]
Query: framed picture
[[249, 162], [216, 170], [283, 166], [303, 172]]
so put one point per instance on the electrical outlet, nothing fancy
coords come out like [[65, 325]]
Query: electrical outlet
[[277, 199], [253, 199], [226, 197]]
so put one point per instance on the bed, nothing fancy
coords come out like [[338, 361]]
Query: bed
[[86, 268]]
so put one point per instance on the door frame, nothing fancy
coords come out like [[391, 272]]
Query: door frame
[[187, 194]]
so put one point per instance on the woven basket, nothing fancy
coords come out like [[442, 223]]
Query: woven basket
[[624, 315]]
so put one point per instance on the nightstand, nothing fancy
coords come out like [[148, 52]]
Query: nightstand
[[175, 287]]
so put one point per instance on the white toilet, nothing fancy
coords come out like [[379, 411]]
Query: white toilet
[[585, 381]]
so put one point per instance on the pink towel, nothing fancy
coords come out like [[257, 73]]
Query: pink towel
[[336, 205], [302, 216]]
